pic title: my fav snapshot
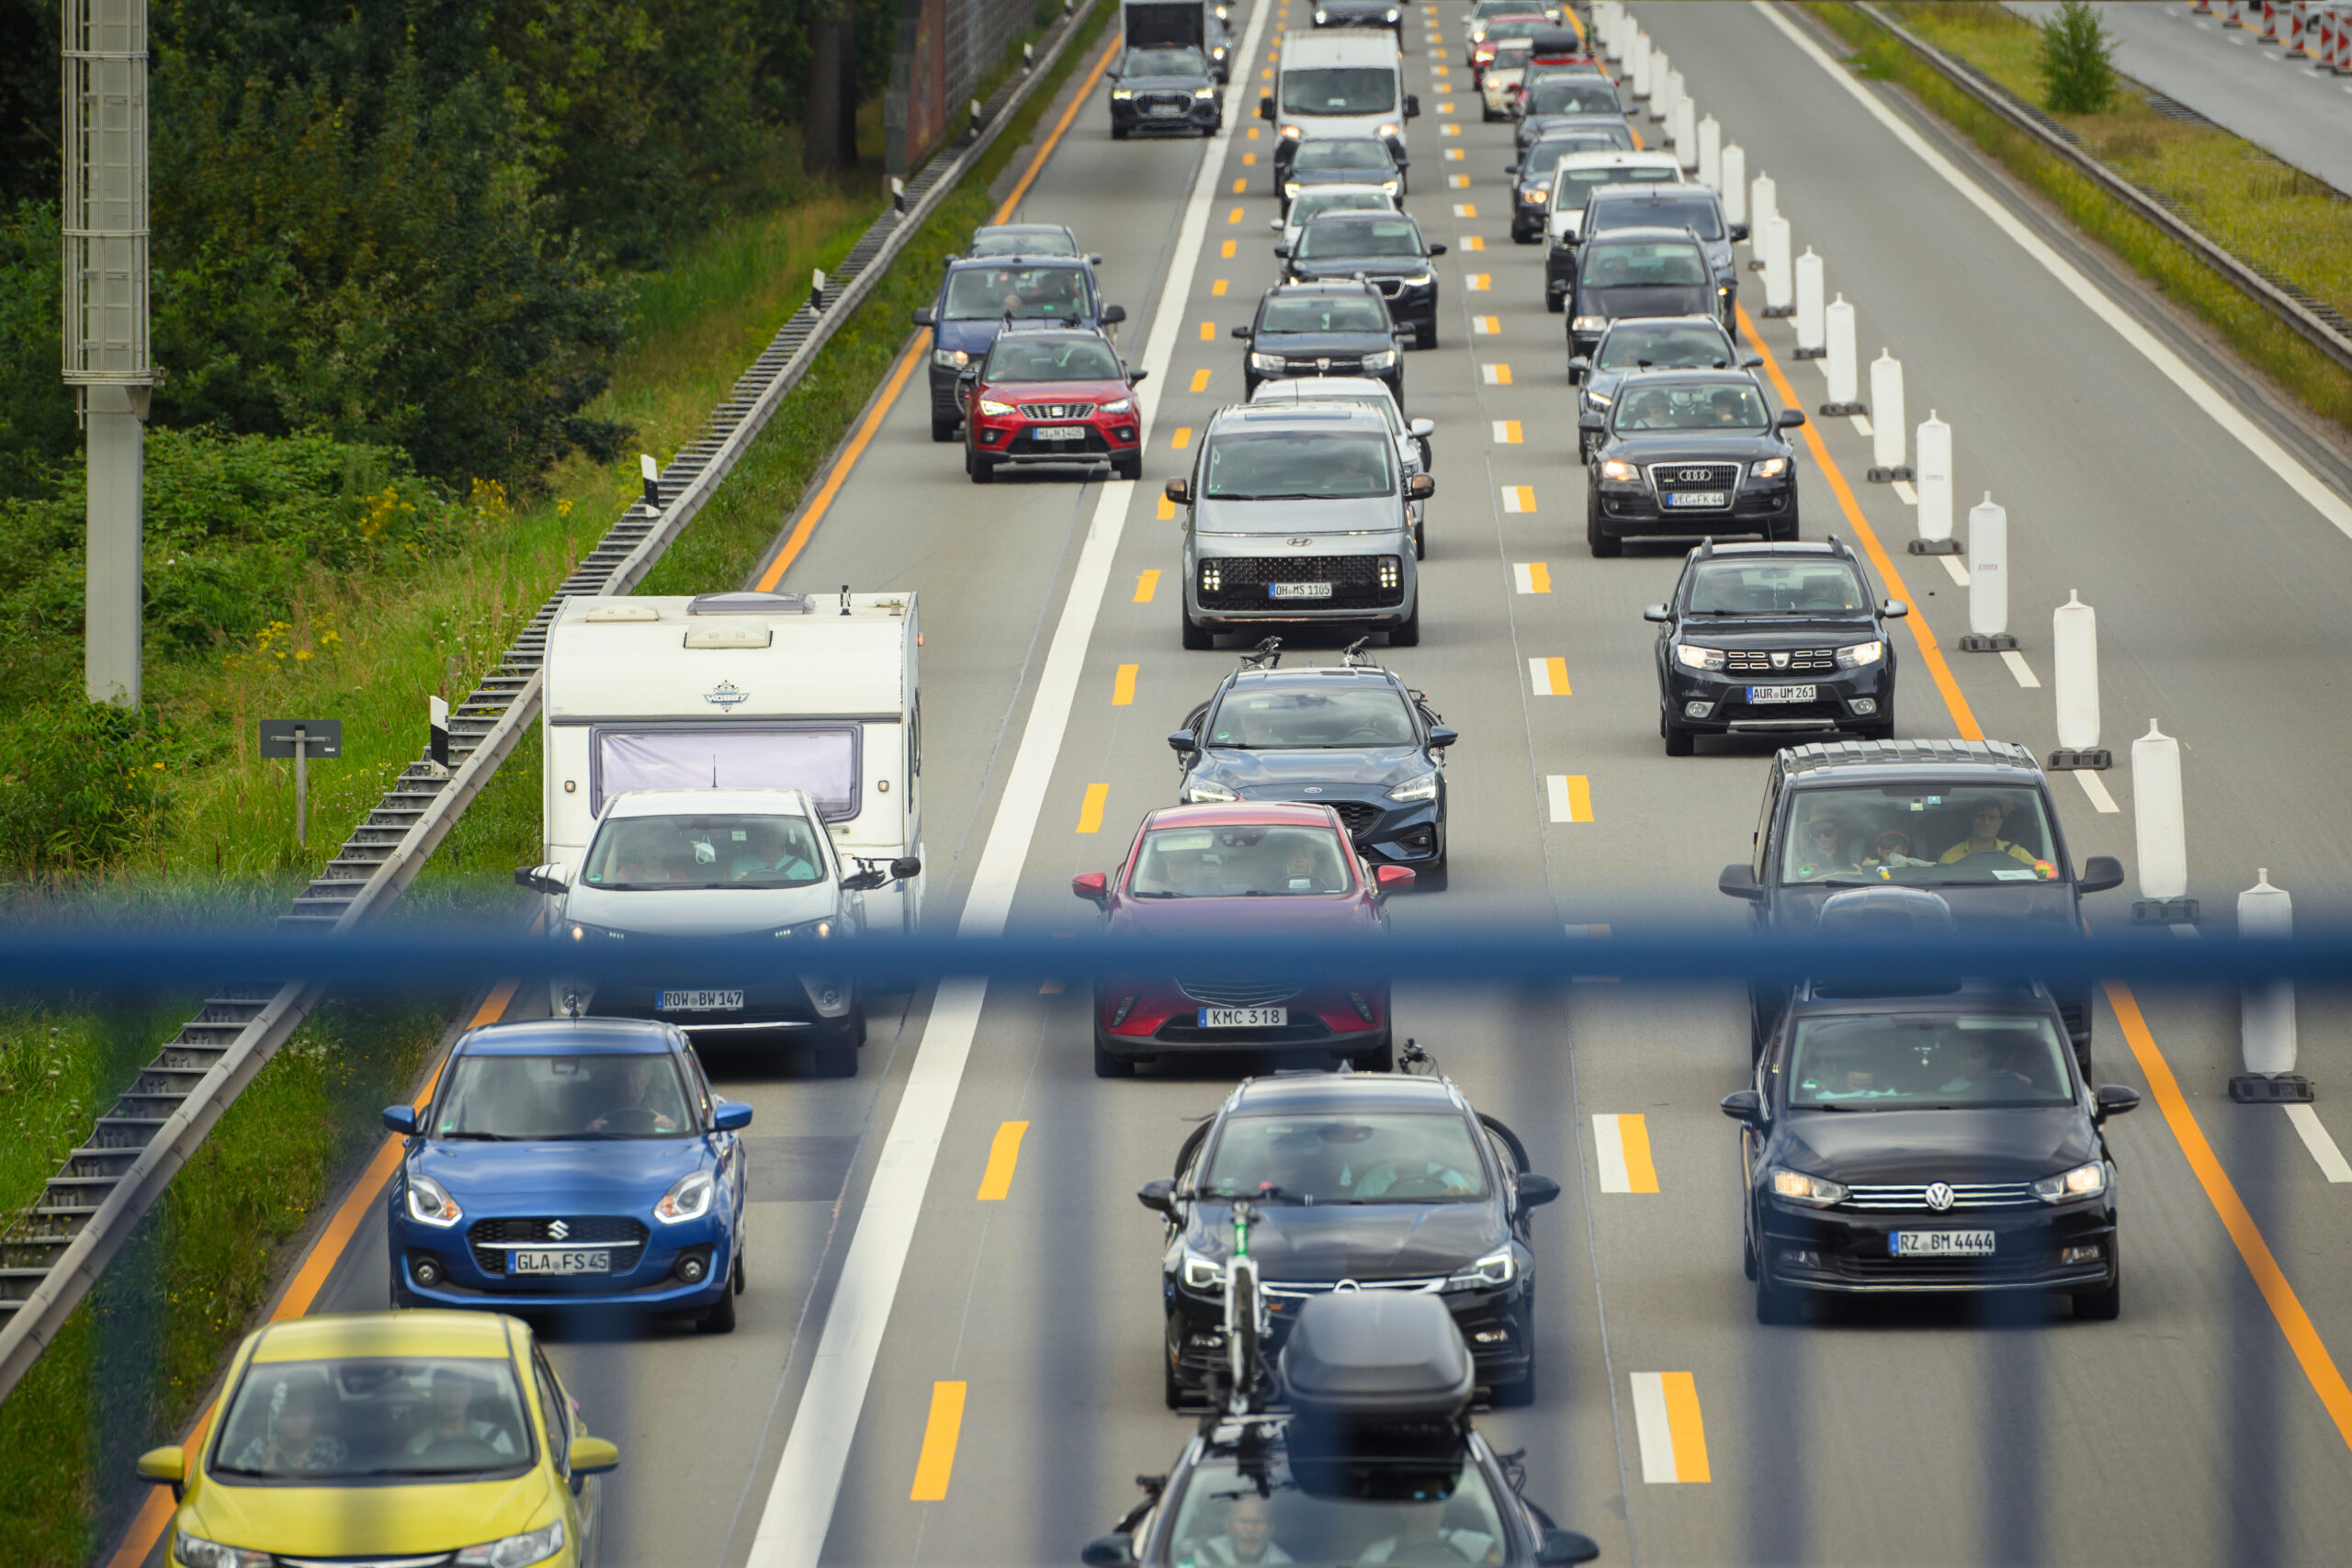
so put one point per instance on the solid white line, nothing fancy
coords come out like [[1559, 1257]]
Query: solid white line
[[799, 1508], [1904, 493], [2201, 391], [1609, 1154], [2020, 668], [1862, 425], [2095, 787], [2315, 1138], [1955, 570], [1652, 1427]]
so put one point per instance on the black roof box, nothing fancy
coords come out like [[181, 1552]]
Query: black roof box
[[1373, 1355], [1556, 41]]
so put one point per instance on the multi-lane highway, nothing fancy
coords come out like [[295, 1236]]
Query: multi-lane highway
[[908, 1251]]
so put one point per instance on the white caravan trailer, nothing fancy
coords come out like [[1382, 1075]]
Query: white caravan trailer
[[743, 691]]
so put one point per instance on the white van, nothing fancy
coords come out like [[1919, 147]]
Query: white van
[[743, 691], [1342, 82]]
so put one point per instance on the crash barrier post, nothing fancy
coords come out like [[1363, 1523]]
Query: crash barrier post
[[1988, 577], [2160, 829], [1934, 447], [1780, 287], [1644, 59], [1711, 154], [1683, 133], [2233, 13], [2267, 1009], [2270, 9], [1886, 423], [437, 735], [1844, 360], [1763, 206], [2074, 685], [1732, 182], [1812, 329], [1666, 82]]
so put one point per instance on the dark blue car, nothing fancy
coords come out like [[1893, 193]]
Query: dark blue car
[[571, 1162], [981, 295]]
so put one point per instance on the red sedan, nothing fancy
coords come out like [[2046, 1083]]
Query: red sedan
[[1051, 395], [1482, 47], [1200, 871]]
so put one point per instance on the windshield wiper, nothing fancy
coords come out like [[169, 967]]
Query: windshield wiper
[[1286, 495], [486, 1137]]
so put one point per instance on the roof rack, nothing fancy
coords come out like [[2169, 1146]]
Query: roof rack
[[1352, 655], [1265, 656]]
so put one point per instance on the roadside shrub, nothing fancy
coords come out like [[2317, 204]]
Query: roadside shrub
[[2077, 62], [82, 785]]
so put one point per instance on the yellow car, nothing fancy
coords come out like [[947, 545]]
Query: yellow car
[[442, 1436]]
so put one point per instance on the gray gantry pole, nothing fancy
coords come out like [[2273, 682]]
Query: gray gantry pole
[[107, 361]]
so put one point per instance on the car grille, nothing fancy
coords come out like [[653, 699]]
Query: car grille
[[1026, 446], [1299, 1288], [1241, 581], [1986, 1195], [1056, 411], [1238, 993], [1159, 104], [1325, 363], [1667, 478], [1781, 716], [1760, 661], [1389, 287], [489, 1239], [1359, 815]]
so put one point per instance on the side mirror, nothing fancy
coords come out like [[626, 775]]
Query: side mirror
[[1790, 418], [553, 879], [1092, 886], [1112, 1550], [594, 1456], [1266, 109], [1438, 249], [922, 314], [165, 1466], [1392, 879], [1744, 1107], [1424, 428], [2116, 1100], [1566, 1546], [1275, 224], [1442, 736], [1114, 314], [1656, 614], [1180, 492], [904, 867], [1094, 258], [1282, 252], [1420, 487], [731, 1116], [1591, 421], [1135, 377], [1750, 361], [400, 1119], [1738, 881], [1534, 1192], [1738, 232], [1580, 363], [1243, 332], [2099, 873], [1894, 609], [1180, 741], [1158, 1196], [1412, 106], [1510, 168]]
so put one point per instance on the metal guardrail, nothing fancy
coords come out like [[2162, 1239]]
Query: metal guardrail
[[51, 1253], [2317, 323]]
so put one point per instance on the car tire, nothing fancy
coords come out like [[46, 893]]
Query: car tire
[[1171, 1387], [1118, 134], [835, 1053], [735, 1275], [1407, 633], [1877, 731], [1197, 637], [1680, 742], [1605, 547], [1555, 303], [1424, 333], [1422, 541], [1380, 1059], [1748, 1257], [1774, 1305], [1583, 443], [1782, 533], [943, 429], [1129, 468], [2103, 1306], [982, 470], [1109, 1065], [1433, 877], [720, 1317]]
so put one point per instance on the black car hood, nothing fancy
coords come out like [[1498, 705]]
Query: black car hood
[[1978, 909], [1647, 300], [1285, 776], [1339, 176], [1329, 1242], [1311, 343], [1777, 631], [1697, 446], [2009, 1142], [1166, 84], [1348, 266]]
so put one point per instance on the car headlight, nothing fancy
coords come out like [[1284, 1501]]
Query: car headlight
[[995, 409], [582, 932], [810, 930], [1203, 1273], [1290, 189], [689, 1199], [1322, 17], [1267, 361], [1391, 14], [1811, 1191], [1391, 132], [1205, 93], [1856, 655], [1118, 405], [1598, 400], [429, 1203], [515, 1550], [1494, 1270], [1418, 280], [1771, 467], [1621, 472], [2083, 1181], [1217, 53], [198, 1552], [1535, 196], [1121, 94], [1203, 792], [1589, 323], [950, 359], [1691, 657], [1290, 132], [1388, 185], [1380, 359], [1422, 788]]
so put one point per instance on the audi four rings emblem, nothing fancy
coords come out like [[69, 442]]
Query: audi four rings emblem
[[1692, 476], [1939, 1195], [558, 1229]]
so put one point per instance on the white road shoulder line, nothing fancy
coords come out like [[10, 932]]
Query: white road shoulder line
[[2095, 787], [1904, 493], [799, 1510], [2020, 668], [1954, 569], [2315, 1138], [1862, 425]]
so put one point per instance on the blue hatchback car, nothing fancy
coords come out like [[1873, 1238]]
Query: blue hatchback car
[[981, 295], [578, 1163]]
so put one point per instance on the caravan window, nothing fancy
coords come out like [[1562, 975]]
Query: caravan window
[[821, 758]]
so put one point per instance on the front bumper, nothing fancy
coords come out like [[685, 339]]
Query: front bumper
[[1844, 699], [645, 1278], [793, 1006], [1830, 1250], [1200, 114], [1622, 508], [1302, 368], [944, 404], [1010, 438], [1494, 1324], [1163, 1018], [1376, 588], [1527, 217]]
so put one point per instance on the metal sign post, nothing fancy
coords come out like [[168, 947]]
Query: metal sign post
[[302, 738]]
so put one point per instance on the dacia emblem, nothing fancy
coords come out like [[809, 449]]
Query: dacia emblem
[[1779, 662], [1939, 1195], [726, 695]]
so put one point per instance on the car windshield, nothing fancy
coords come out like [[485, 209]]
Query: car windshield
[[1574, 94], [1692, 405], [1017, 358], [1346, 237], [1653, 264], [977, 293], [1543, 160], [1323, 313], [1906, 1061], [1312, 203], [587, 1094], [1490, 8], [1614, 135], [1573, 187], [1311, 390], [427, 1419], [1165, 62], [1776, 588], [1023, 243], [1297, 465], [1261, 718], [1344, 152], [704, 850], [1339, 89], [1654, 210], [1640, 345], [1373, 1157], [1926, 834], [1369, 1510], [1514, 27], [1241, 861]]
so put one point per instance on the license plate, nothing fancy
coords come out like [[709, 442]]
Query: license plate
[[699, 1002], [1695, 498], [1058, 433], [1782, 693], [1939, 1244], [1298, 590], [1244, 1017], [1165, 111], [598, 1260]]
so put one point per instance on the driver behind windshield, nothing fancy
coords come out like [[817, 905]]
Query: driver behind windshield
[[643, 1101], [1984, 821], [453, 1419], [1437, 1533]]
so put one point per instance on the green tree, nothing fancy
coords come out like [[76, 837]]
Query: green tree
[[2077, 60]]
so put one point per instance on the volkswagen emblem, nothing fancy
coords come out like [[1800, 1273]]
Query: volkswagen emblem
[[1350, 1286], [726, 695], [558, 1229], [1779, 662], [1939, 1195]]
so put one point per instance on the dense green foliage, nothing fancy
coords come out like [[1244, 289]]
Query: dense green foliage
[[2077, 62]]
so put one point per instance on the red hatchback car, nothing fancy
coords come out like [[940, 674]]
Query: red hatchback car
[[1277, 869], [1051, 395]]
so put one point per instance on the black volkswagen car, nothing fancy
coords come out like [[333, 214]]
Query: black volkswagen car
[[1771, 640], [1689, 452], [1355, 738], [1322, 329], [1692, 208], [1164, 89], [1554, 96], [1377, 1181], [1637, 272], [1647, 342], [1343, 161], [1385, 248], [1928, 1143]]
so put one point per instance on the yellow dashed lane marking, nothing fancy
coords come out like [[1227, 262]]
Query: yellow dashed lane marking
[[1518, 498], [1507, 432], [1166, 514], [1549, 677], [1479, 282], [1147, 580], [1487, 326], [1217, 287], [1228, 252], [1457, 181], [1532, 576], [1208, 331], [1181, 438], [1456, 156], [1495, 374], [1201, 379], [1234, 216], [937, 1461], [1665, 1419], [1090, 814], [1249, 159], [1239, 186], [1621, 1148], [1465, 210], [1123, 686], [1005, 1153], [1473, 242], [1570, 796]]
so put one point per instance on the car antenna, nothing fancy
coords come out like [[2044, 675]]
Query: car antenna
[[1352, 654], [845, 598], [1265, 656]]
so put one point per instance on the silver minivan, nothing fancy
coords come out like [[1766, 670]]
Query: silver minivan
[[1298, 515]]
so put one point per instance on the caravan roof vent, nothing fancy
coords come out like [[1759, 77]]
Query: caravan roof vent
[[609, 610], [760, 635], [748, 604]]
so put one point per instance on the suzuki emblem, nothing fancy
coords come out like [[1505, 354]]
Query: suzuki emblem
[[726, 695], [1939, 1195], [1779, 662], [558, 1230]]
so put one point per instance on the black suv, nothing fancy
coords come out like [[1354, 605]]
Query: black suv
[[1323, 328], [1969, 820], [1636, 272], [1647, 342], [1355, 738], [1771, 638], [1023, 240], [1385, 248], [1692, 207], [1341, 161], [1165, 88], [1388, 1181], [1926, 1143], [1689, 452], [1388, 14]]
